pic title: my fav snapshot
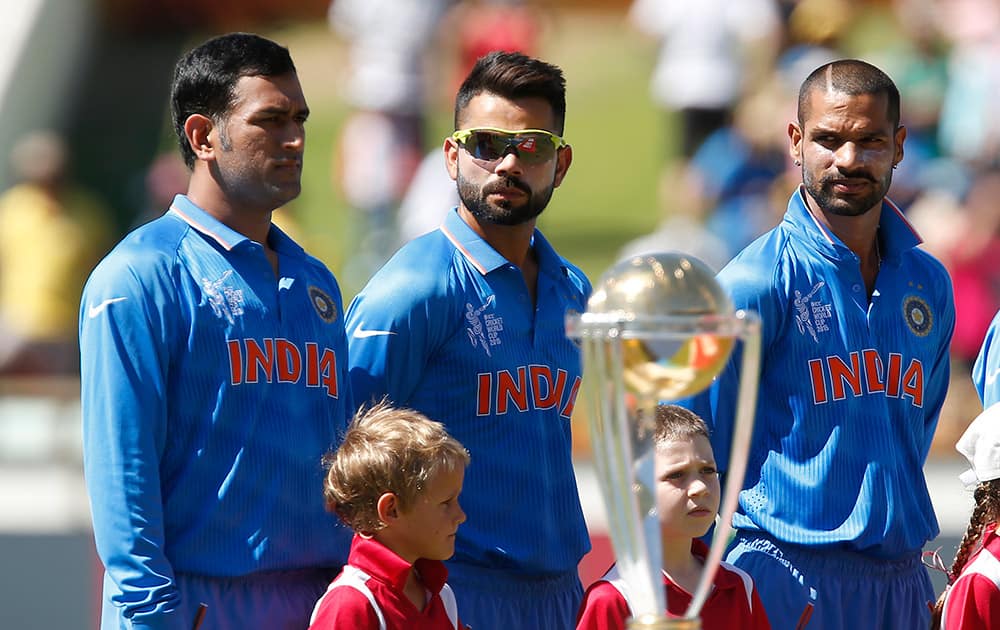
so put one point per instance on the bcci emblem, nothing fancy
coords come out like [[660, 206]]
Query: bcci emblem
[[918, 316], [325, 307]]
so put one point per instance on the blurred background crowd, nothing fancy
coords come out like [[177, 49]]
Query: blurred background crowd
[[678, 113]]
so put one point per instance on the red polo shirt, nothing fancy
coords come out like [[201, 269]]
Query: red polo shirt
[[374, 567], [733, 602]]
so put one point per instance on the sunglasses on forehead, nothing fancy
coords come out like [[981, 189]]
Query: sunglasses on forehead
[[531, 146]]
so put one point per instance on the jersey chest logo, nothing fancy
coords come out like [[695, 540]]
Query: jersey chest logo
[[483, 328], [226, 301], [812, 316], [918, 315]]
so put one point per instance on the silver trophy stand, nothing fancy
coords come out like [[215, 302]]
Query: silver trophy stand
[[658, 329]]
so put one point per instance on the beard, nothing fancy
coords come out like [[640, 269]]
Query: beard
[[504, 212], [822, 192]]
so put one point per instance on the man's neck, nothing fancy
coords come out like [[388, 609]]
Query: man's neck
[[513, 242], [255, 224]]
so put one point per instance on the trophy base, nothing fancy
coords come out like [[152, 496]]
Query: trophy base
[[661, 623]]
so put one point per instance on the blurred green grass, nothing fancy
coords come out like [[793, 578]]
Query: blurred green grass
[[619, 138]]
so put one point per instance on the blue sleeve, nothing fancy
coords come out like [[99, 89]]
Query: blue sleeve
[[751, 288], [939, 377], [987, 366], [395, 321], [124, 339]]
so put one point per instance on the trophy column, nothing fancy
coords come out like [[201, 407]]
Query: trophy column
[[658, 329]]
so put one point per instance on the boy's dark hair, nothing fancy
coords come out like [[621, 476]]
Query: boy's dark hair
[[853, 77], [674, 422], [513, 75], [205, 78]]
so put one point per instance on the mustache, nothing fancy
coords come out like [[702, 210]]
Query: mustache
[[507, 182], [849, 175]]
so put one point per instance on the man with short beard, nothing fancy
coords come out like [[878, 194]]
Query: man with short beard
[[465, 324], [857, 322]]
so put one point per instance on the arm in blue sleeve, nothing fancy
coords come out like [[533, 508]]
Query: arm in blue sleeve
[[752, 289], [124, 359], [392, 329], [939, 377]]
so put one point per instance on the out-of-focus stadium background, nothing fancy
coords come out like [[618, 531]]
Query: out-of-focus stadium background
[[684, 152]]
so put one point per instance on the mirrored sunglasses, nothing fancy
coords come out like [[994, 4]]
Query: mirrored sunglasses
[[531, 146]]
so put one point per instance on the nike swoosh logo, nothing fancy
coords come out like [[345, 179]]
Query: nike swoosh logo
[[361, 333], [96, 310]]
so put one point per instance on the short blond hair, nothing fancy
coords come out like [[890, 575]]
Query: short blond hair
[[386, 449]]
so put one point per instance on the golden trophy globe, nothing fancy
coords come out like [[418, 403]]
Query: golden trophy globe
[[658, 329]]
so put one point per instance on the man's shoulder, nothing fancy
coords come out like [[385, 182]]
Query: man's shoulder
[[145, 250]]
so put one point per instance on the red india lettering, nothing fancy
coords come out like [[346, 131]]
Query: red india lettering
[[913, 382], [508, 389], [818, 381], [485, 403], [261, 359], [873, 371], [841, 374], [289, 361]]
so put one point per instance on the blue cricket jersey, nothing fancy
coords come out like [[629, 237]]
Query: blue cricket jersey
[[987, 366], [447, 327], [210, 391], [850, 391]]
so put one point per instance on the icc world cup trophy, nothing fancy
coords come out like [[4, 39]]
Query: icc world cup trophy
[[658, 328]]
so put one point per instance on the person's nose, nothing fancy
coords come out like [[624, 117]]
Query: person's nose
[[697, 488], [459, 513], [846, 156], [509, 164]]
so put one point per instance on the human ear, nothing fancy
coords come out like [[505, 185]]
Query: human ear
[[387, 507], [451, 150], [198, 130], [564, 158], [795, 143]]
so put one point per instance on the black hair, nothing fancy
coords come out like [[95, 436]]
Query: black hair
[[513, 75], [853, 77], [205, 78]]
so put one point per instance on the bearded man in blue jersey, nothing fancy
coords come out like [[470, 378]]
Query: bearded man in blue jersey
[[466, 324], [214, 371], [857, 322]]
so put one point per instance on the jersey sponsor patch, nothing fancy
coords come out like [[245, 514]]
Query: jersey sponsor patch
[[918, 315], [325, 307]]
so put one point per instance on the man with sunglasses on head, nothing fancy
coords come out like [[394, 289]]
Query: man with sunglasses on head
[[465, 324]]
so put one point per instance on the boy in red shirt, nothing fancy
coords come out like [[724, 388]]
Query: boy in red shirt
[[687, 498], [395, 481]]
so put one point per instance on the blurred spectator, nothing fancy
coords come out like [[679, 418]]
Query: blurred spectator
[[975, 267], [51, 236], [683, 228], [382, 141], [709, 50], [969, 127]]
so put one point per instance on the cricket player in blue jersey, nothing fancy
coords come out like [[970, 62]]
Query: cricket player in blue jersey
[[214, 372], [987, 366], [466, 324], [857, 322]]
